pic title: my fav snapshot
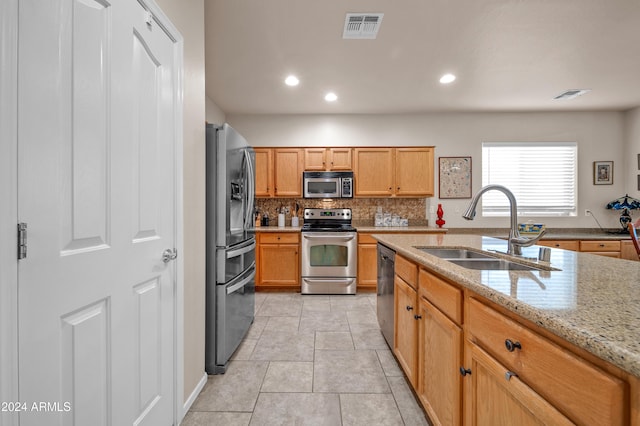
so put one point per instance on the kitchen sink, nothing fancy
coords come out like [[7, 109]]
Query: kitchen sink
[[455, 253], [472, 259], [492, 265]]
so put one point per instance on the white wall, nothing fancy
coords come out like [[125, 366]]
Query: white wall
[[214, 114], [600, 137], [632, 152]]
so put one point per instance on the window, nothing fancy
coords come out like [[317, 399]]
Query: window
[[542, 176]]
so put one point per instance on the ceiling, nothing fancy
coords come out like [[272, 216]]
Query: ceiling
[[508, 55]]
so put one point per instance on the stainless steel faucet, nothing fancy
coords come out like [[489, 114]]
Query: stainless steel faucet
[[515, 241]]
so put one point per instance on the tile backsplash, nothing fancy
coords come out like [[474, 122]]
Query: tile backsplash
[[363, 209]]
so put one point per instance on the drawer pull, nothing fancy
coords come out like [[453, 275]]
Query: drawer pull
[[465, 371], [512, 346], [409, 308], [509, 374], [417, 317]]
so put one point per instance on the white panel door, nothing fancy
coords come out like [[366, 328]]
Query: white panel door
[[96, 142]]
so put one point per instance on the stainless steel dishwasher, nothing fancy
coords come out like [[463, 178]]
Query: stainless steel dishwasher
[[386, 265]]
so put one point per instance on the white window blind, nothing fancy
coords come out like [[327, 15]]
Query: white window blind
[[541, 175]]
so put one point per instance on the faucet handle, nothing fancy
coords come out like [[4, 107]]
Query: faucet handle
[[526, 242]]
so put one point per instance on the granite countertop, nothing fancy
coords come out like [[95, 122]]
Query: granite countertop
[[278, 229], [393, 229], [552, 233], [590, 301]]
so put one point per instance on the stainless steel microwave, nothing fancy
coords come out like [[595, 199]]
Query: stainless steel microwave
[[327, 184]]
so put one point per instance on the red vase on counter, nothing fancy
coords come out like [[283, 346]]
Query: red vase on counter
[[440, 213]]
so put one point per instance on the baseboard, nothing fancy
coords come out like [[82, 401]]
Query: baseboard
[[196, 391]]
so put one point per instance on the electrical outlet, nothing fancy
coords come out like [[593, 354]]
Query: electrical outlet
[[587, 212]]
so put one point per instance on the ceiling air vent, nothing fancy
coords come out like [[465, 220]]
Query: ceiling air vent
[[362, 25], [573, 93]]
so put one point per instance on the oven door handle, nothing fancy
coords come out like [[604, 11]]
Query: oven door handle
[[327, 237], [329, 280]]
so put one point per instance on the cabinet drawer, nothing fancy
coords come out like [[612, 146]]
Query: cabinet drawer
[[366, 239], [577, 388], [599, 245], [561, 244], [407, 270], [279, 238], [442, 295]]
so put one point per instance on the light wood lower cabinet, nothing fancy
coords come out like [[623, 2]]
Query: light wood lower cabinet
[[439, 358], [573, 245], [495, 395], [367, 263], [491, 367], [278, 259], [405, 339]]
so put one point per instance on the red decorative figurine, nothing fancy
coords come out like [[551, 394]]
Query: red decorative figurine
[[440, 212]]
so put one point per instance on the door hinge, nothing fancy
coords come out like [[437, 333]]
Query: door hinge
[[22, 240]]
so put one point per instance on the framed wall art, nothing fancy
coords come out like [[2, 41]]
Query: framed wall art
[[454, 177], [603, 172]]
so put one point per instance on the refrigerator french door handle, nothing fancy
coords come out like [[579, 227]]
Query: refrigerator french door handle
[[242, 282], [242, 250], [248, 222]]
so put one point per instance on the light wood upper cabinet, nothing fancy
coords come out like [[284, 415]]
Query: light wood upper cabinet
[[414, 172], [264, 172], [400, 172], [321, 159], [373, 171], [288, 166]]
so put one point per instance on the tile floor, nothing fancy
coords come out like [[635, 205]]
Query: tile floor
[[310, 360]]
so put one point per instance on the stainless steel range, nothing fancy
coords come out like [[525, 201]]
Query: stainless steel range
[[329, 252]]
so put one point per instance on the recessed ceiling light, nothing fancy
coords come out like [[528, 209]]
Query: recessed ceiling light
[[447, 78], [292, 80], [330, 97]]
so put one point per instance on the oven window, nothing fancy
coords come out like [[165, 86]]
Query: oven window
[[328, 255]]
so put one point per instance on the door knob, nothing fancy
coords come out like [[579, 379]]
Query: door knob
[[169, 254]]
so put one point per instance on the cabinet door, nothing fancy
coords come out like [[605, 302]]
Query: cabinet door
[[439, 360], [339, 159], [367, 267], [288, 172], [373, 171], [279, 265], [573, 245], [628, 251], [315, 159], [414, 172], [494, 396], [405, 336], [264, 172]]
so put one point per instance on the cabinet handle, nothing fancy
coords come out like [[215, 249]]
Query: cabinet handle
[[417, 317], [509, 374], [409, 308], [465, 371], [511, 345]]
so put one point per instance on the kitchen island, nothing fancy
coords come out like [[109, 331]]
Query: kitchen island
[[580, 314]]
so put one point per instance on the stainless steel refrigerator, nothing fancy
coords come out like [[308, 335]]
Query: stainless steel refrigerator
[[231, 244]]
